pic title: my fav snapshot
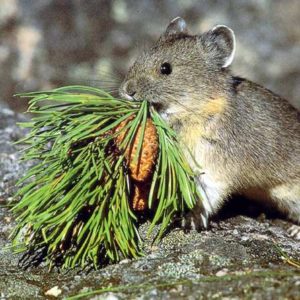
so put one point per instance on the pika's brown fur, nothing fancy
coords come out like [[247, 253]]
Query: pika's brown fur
[[245, 138]]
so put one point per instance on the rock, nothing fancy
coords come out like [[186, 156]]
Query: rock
[[240, 257], [11, 169], [222, 272], [54, 292]]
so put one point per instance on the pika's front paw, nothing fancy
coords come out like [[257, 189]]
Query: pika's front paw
[[195, 220], [294, 231]]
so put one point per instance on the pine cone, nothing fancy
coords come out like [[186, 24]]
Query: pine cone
[[140, 170], [140, 195]]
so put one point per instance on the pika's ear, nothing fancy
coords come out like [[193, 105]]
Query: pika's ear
[[220, 43], [176, 27]]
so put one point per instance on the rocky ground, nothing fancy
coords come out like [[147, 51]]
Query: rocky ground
[[238, 258]]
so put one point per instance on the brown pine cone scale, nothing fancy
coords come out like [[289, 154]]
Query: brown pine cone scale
[[141, 169]]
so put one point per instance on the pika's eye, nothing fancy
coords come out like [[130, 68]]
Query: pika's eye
[[165, 69]]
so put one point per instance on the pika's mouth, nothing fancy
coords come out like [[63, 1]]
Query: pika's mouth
[[158, 106]]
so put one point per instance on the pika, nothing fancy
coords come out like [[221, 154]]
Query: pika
[[245, 138]]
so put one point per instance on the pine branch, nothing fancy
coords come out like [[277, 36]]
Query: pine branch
[[75, 202]]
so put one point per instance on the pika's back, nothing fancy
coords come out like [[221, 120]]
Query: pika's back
[[269, 126]]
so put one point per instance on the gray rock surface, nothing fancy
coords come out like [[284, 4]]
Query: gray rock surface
[[10, 167], [238, 258]]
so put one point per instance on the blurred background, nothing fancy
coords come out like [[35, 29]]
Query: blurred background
[[50, 43]]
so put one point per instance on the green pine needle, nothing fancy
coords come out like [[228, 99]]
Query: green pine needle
[[75, 201]]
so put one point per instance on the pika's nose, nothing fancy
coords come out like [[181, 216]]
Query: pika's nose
[[130, 88]]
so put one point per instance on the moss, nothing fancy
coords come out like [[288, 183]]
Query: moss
[[177, 270], [219, 261]]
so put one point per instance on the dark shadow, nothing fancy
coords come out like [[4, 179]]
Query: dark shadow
[[32, 258], [239, 205]]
